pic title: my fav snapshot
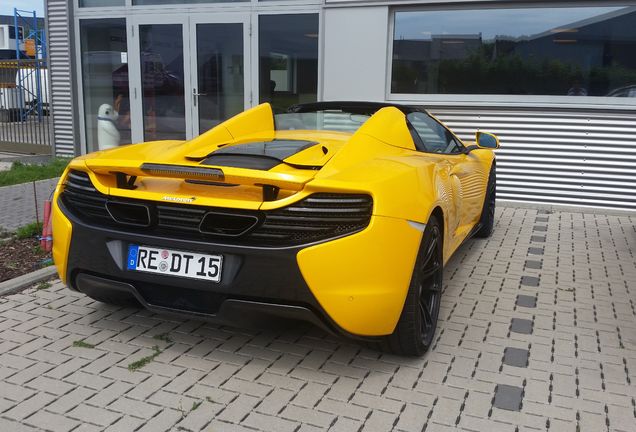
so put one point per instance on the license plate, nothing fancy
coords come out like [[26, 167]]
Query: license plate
[[175, 263]]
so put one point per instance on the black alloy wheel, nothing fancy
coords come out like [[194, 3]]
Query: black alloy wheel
[[416, 327], [430, 286]]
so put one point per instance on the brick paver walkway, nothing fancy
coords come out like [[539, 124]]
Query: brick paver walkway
[[17, 204], [537, 332]]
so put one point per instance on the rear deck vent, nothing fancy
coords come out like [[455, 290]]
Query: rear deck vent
[[227, 224], [129, 213]]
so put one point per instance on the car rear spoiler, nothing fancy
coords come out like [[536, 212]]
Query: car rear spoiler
[[126, 173]]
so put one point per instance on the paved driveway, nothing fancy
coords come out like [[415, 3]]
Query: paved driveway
[[537, 332], [18, 203]]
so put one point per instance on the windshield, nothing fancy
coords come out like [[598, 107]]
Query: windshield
[[332, 120]]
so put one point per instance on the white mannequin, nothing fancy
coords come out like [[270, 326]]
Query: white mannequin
[[107, 133]]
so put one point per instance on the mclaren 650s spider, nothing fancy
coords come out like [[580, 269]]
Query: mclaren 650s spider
[[338, 213]]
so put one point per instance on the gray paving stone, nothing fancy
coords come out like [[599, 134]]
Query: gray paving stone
[[264, 422], [94, 415], [531, 281], [516, 357], [238, 409], [197, 415], [379, 421], [508, 397], [134, 408], [307, 415], [519, 325], [125, 424], [533, 264], [14, 426], [526, 301], [50, 385], [51, 422], [29, 406]]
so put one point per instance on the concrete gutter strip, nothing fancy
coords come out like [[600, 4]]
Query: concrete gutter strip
[[566, 208], [16, 284]]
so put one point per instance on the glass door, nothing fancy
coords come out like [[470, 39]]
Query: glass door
[[162, 110], [219, 57]]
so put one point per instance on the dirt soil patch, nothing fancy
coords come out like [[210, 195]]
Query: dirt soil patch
[[20, 256]]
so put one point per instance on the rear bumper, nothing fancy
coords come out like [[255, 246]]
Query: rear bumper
[[354, 285], [231, 311]]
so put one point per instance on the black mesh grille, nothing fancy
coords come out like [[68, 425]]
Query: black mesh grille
[[318, 217], [86, 201]]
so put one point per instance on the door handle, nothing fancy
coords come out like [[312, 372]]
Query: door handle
[[195, 96]]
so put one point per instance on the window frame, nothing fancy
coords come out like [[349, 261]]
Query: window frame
[[503, 100], [463, 149], [181, 6]]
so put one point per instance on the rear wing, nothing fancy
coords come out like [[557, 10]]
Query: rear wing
[[126, 173]]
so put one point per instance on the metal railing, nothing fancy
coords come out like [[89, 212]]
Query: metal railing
[[24, 106]]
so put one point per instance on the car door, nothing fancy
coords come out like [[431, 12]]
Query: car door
[[466, 185]]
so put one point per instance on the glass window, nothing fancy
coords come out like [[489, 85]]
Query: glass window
[[173, 2], [332, 120], [576, 51], [220, 73], [430, 136], [100, 3], [105, 82], [288, 59], [162, 78]]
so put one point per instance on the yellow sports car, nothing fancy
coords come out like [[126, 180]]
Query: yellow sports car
[[339, 213]]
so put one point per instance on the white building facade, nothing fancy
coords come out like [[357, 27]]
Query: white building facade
[[555, 80]]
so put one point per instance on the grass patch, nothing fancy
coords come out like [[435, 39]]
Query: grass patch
[[43, 285], [22, 173], [28, 231], [163, 337], [82, 344], [145, 360], [196, 405]]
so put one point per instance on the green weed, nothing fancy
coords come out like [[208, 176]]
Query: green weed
[[145, 360], [43, 285], [28, 231], [163, 337], [82, 344]]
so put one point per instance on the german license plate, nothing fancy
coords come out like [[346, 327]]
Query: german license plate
[[175, 263]]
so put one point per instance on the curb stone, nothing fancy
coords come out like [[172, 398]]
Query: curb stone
[[14, 285]]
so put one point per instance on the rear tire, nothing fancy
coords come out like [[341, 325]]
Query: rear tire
[[416, 327], [487, 220]]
